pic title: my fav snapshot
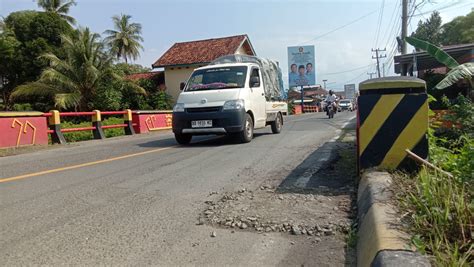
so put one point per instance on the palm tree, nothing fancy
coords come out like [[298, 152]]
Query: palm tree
[[73, 81], [125, 39], [60, 7]]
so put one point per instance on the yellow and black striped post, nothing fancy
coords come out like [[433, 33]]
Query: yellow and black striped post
[[392, 116], [127, 118], [54, 122], [98, 133]]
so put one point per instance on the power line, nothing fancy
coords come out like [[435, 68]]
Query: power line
[[443, 8], [377, 57], [351, 80], [379, 24], [340, 27], [358, 68], [395, 20], [371, 73]]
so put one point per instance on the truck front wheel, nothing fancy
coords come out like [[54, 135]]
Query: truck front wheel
[[183, 139], [247, 134], [276, 124]]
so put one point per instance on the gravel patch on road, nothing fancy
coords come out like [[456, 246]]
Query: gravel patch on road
[[323, 211]]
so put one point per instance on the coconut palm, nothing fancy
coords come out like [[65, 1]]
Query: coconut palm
[[60, 7], [73, 81], [125, 39]]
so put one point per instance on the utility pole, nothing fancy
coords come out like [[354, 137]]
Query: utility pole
[[404, 67], [404, 25], [383, 69], [371, 73], [377, 57]]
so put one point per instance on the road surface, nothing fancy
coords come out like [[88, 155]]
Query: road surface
[[135, 200]]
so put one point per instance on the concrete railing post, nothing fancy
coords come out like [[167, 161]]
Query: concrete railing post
[[97, 123], [127, 118], [54, 123]]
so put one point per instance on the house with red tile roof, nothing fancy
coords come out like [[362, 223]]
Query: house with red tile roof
[[182, 58], [158, 77]]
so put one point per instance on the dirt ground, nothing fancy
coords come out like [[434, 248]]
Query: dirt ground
[[315, 202]]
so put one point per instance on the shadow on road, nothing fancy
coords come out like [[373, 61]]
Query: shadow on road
[[330, 170], [200, 141]]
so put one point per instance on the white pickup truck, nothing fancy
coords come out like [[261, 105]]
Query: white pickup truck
[[230, 98]]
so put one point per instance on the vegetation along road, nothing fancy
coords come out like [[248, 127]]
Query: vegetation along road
[[145, 200]]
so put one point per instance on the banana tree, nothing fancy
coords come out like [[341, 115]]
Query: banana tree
[[457, 72]]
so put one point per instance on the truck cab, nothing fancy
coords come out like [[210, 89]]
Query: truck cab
[[225, 99]]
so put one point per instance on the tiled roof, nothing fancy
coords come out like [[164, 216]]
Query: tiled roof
[[202, 51], [144, 75]]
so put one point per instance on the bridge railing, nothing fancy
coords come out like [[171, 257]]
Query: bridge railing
[[32, 128], [306, 109]]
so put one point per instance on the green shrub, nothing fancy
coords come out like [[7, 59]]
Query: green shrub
[[22, 107], [87, 135], [161, 101], [462, 115], [108, 97], [291, 105]]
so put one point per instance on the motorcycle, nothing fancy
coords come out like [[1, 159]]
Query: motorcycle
[[330, 109]]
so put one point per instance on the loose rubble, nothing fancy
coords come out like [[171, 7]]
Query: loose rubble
[[224, 213]]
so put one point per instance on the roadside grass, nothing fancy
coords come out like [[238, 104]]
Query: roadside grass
[[347, 164], [439, 212], [351, 237], [439, 209], [87, 135]]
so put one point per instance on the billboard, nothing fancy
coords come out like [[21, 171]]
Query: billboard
[[349, 91], [301, 68]]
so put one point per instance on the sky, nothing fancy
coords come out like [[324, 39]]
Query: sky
[[342, 31]]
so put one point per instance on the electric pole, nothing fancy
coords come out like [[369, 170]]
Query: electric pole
[[383, 69], [404, 25], [404, 67], [371, 73], [377, 57]]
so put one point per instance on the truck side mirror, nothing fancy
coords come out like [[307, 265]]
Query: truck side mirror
[[181, 86], [254, 81]]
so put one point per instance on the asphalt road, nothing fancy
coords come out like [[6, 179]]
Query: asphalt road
[[135, 200]]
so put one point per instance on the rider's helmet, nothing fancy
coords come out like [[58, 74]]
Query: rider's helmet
[[330, 92]]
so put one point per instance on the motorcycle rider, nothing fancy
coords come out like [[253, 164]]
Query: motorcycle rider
[[330, 100]]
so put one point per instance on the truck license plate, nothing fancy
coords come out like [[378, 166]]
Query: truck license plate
[[200, 124]]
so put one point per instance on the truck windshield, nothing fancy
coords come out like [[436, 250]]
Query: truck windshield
[[217, 78]]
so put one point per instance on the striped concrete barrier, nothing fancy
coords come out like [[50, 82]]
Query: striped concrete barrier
[[392, 116]]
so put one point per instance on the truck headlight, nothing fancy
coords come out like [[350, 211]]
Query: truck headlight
[[234, 104], [179, 107]]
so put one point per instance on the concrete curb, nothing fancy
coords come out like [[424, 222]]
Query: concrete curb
[[380, 241]]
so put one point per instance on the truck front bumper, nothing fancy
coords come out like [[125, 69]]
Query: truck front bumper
[[223, 122]]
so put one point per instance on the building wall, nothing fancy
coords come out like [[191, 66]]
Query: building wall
[[173, 78], [241, 51]]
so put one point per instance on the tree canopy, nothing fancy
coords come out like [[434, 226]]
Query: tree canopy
[[27, 35], [73, 81], [429, 30], [124, 40], [458, 31], [60, 7]]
